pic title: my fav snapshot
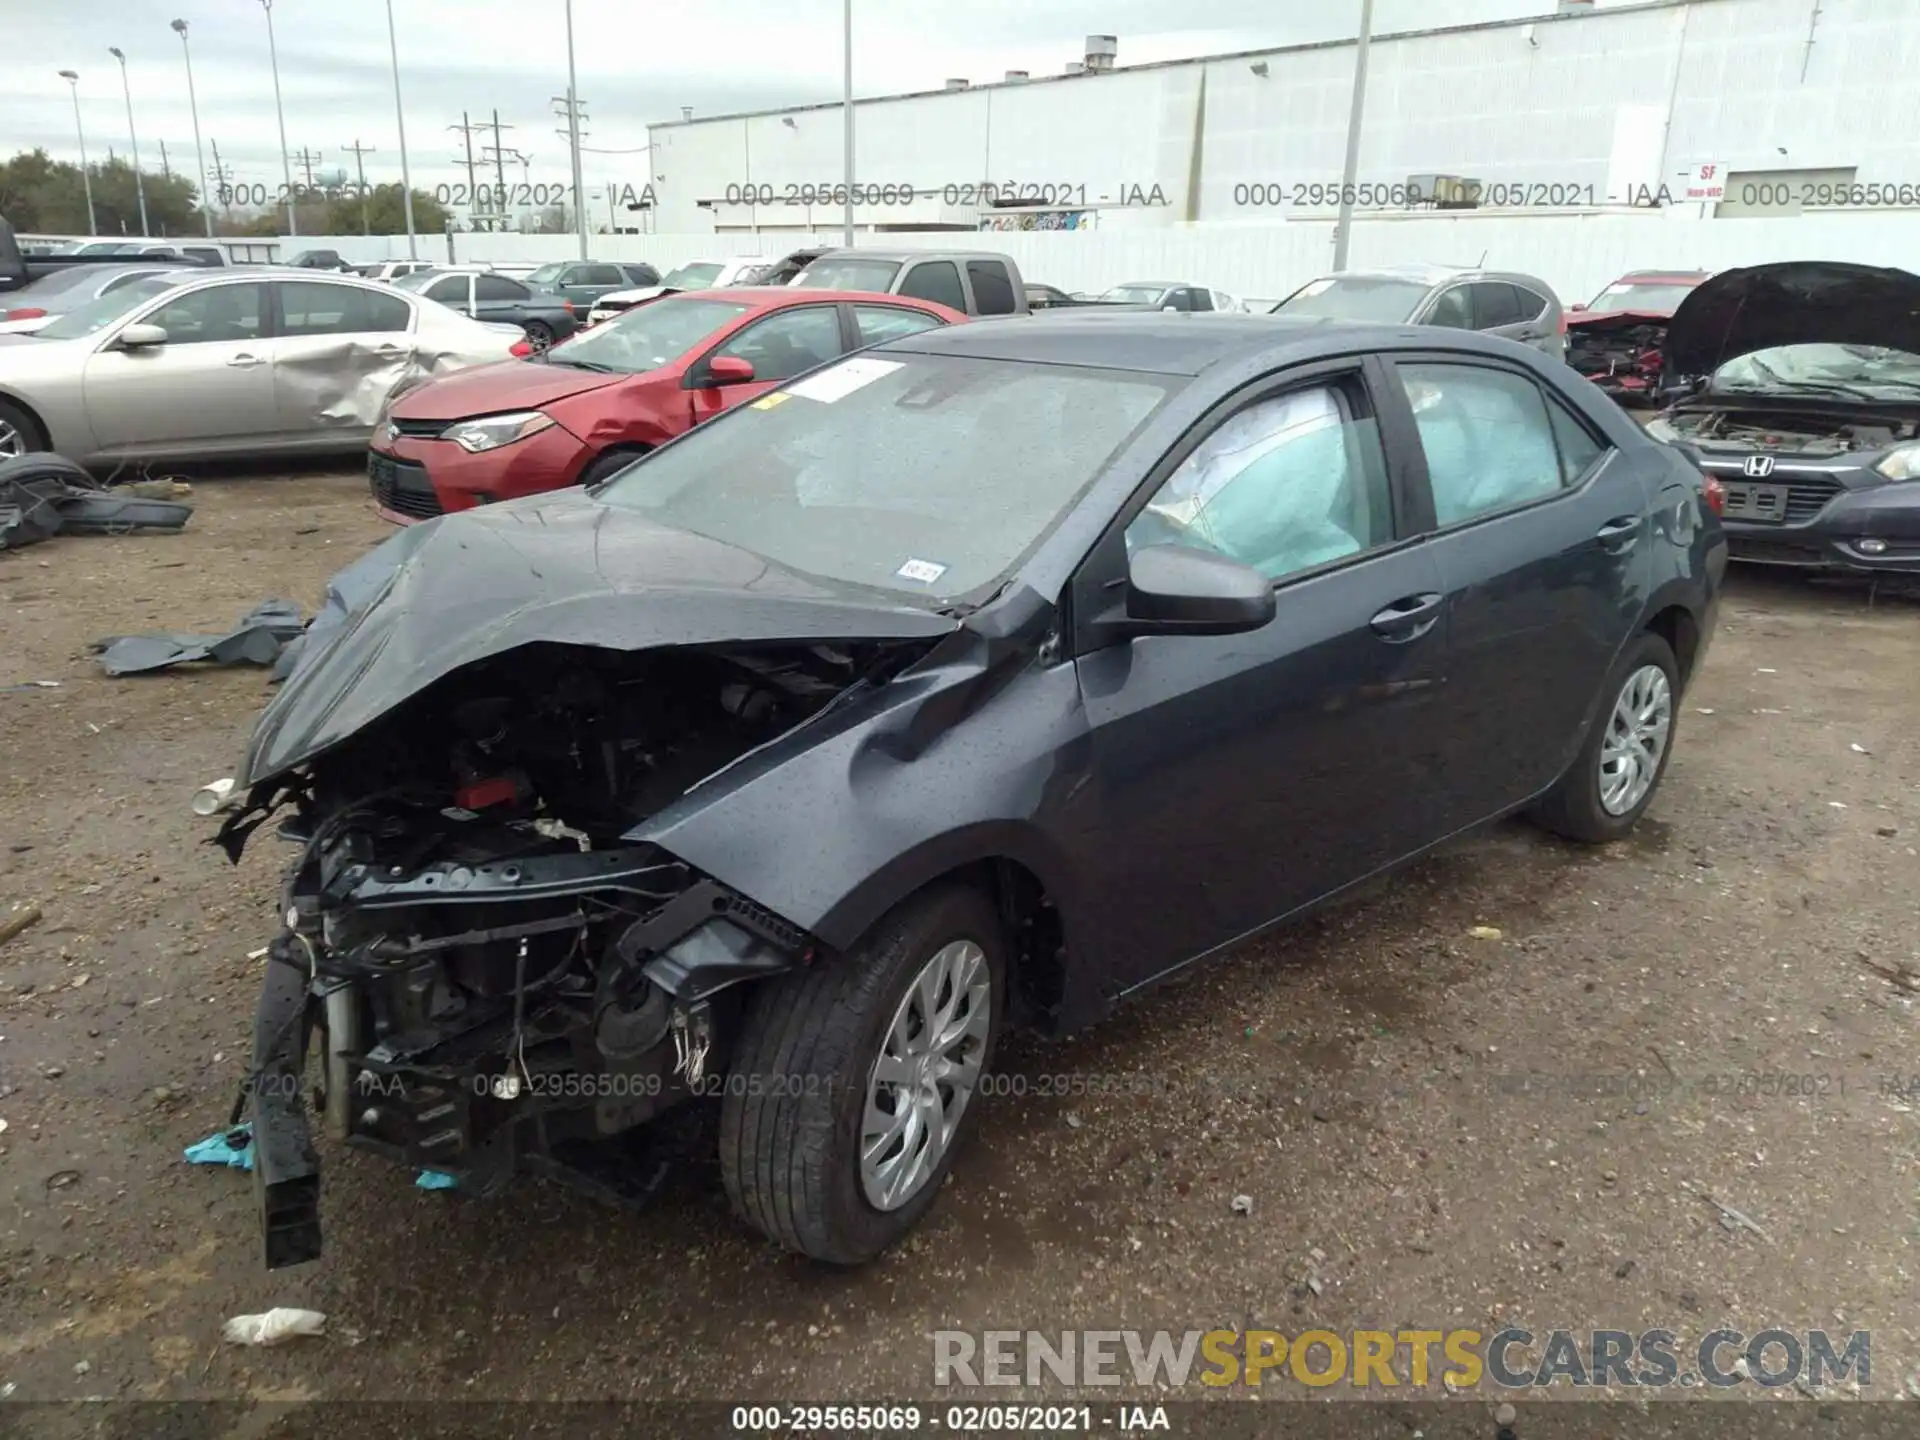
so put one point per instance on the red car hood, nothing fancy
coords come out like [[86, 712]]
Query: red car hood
[[1617, 319], [491, 389]]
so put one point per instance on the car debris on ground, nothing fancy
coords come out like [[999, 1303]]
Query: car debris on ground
[[275, 1327], [43, 495], [256, 639]]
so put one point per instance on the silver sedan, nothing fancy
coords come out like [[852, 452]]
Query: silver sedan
[[233, 363]]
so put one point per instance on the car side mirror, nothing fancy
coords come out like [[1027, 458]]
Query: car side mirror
[[141, 337], [1169, 309], [1577, 307], [730, 370], [1174, 590]]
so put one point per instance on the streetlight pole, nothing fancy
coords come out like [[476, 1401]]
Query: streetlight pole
[[72, 77], [846, 26], [573, 136], [139, 184], [1343, 227], [400, 119], [286, 163], [206, 200]]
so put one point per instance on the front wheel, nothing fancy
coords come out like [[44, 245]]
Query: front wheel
[[1611, 782], [855, 1079]]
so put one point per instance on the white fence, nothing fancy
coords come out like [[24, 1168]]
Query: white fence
[[1576, 254]]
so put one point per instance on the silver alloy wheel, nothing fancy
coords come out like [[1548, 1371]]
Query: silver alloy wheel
[[926, 1072], [12, 442], [1636, 739], [540, 338]]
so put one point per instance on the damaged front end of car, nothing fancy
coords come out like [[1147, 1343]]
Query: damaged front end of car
[[480, 970]]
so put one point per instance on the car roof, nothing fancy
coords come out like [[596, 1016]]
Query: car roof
[[774, 297], [863, 253], [1431, 275], [1178, 344], [1680, 277]]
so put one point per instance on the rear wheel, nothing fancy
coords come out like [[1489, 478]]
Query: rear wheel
[[18, 433], [539, 335], [1612, 781], [855, 1079]]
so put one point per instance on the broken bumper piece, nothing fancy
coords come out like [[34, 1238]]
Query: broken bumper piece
[[481, 1019]]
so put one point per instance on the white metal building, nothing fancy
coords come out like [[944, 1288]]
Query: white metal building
[[1797, 104]]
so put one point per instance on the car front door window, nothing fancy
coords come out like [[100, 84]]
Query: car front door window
[[1286, 485], [220, 313], [451, 290], [1450, 309], [785, 344], [1488, 439]]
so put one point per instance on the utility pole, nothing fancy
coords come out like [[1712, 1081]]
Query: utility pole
[[573, 122], [357, 150], [165, 168], [499, 156], [1343, 227], [305, 158], [573, 112], [466, 129], [400, 121], [846, 120], [222, 181]]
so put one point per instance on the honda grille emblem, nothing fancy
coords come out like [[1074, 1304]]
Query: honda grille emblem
[[1758, 467]]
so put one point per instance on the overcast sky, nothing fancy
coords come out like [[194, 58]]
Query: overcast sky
[[639, 60]]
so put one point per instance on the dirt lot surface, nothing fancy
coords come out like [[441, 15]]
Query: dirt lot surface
[[1436, 1125]]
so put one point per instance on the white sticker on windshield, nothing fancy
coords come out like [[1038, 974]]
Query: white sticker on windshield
[[925, 571], [843, 379]]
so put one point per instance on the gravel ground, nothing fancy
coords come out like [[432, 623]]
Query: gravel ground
[[1437, 1125]]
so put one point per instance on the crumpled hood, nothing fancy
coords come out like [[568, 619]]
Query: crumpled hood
[[564, 569], [1616, 319], [495, 389], [1798, 302]]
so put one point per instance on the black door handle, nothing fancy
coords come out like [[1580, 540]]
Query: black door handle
[[1407, 618], [1619, 534]]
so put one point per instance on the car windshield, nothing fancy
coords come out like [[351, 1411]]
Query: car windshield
[[848, 274], [645, 337], [928, 476], [1637, 295], [1863, 372], [101, 312], [546, 274], [691, 277], [1355, 297], [1135, 294]]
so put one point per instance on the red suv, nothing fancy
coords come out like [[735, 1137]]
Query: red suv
[[595, 402]]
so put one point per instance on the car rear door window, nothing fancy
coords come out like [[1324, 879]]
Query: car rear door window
[[992, 288], [1450, 308], [313, 307], [220, 313], [1489, 440], [1579, 451], [498, 287], [1287, 484], [1493, 305], [889, 322], [935, 280], [788, 342]]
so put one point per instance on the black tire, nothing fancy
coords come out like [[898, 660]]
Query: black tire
[[539, 335], [611, 463], [790, 1122], [1573, 807], [17, 421]]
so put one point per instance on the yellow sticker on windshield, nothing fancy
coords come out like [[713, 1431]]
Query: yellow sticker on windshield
[[767, 402]]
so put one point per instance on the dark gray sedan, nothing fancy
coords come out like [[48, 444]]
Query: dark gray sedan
[[1513, 306], [797, 762]]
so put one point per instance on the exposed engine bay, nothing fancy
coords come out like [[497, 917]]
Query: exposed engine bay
[[1782, 428], [1626, 358], [488, 976]]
